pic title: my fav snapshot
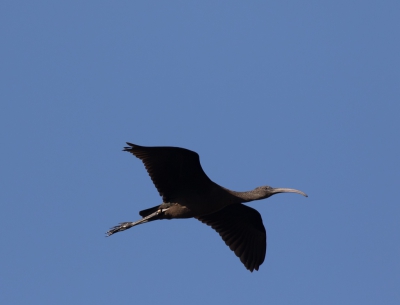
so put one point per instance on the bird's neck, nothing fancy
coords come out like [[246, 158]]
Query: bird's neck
[[245, 196]]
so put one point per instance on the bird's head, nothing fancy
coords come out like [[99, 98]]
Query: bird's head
[[267, 191]]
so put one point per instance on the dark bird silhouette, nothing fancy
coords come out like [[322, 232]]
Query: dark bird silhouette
[[187, 192]]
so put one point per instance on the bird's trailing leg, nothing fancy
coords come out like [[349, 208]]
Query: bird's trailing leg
[[127, 225]]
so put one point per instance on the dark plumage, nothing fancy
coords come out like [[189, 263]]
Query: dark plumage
[[187, 192]]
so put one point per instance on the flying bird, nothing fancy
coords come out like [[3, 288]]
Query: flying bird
[[187, 192]]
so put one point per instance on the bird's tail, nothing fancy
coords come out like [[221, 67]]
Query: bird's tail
[[147, 212]]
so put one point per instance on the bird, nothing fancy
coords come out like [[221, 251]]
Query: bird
[[187, 192]]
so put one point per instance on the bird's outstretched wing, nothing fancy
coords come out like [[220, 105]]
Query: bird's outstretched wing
[[242, 229], [173, 170]]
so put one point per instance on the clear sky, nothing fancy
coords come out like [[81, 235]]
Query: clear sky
[[299, 94]]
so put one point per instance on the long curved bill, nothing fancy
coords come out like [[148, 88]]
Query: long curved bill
[[286, 190]]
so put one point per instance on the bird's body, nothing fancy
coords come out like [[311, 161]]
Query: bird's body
[[200, 203], [187, 192]]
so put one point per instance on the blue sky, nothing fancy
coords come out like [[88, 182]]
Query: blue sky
[[290, 94]]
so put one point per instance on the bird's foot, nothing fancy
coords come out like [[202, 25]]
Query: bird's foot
[[121, 227], [127, 225]]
